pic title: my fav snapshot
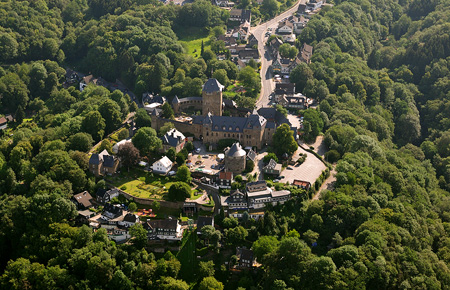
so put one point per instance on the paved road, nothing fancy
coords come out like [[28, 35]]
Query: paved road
[[267, 83]]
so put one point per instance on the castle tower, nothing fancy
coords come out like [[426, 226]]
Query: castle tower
[[212, 98], [176, 105]]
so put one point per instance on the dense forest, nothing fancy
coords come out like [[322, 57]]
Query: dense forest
[[380, 72]]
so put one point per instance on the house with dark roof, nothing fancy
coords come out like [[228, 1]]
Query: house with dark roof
[[204, 221], [150, 101], [251, 155], [281, 89], [225, 179], [272, 168], [255, 186], [168, 229], [236, 200], [173, 139], [245, 258], [105, 195], [111, 211], [129, 220], [252, 41], [102, 163], [274, 46], [241, 15], [295, 102], [248, 54], [83, 200]]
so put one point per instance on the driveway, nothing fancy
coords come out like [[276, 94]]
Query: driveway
[[310, 170]]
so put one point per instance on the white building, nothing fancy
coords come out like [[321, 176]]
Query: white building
[[162, 166]]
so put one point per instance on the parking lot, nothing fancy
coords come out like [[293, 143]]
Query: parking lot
[[205, 160], [310, 170]]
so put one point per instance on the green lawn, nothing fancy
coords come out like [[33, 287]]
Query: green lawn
[[187, 257], [141, 184], [145, 185], [191, 38]]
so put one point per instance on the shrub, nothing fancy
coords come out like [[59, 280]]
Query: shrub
[[124, 187]]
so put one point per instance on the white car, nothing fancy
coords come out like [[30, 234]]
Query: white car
[[171, 173], [198, 150]]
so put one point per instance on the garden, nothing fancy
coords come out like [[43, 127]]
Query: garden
[[146, 185]]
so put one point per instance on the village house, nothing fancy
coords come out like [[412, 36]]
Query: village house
[[305, 53], [258, 195], [90, 79], [302, 184], [241, 32], [150, 101], [83, 200], [102, 163], [225, 179], [252, 41], [236, 200], [168, 229], [105, 196], [162, 166], [111, 212], [272, 168], [251, 155], [204, 221], [248, 54], [129, 220], [245, 258], [240, 15], [284, 89], [314, 4], [274, 46], [295, 102], [173, 139], [285, 27]]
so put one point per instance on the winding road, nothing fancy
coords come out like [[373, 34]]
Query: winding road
[[267, 83]]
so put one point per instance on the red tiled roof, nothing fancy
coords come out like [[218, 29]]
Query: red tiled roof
[[301, 183], [226, 175]]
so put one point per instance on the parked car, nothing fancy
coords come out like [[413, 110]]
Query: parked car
[[281, 177], [201, 166], [290, 168], [171, 173], [198, 150], [276, 180], [205, 156]]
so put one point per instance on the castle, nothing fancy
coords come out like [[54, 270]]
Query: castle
[[255, 129]]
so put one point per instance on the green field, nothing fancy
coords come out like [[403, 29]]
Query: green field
[[191, 38], [187, 257]]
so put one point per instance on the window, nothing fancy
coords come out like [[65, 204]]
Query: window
[[230, 128], [223, 128], [237, 128]]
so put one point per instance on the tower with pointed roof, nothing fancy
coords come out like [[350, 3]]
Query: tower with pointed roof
[[176, 105], [212, 98]]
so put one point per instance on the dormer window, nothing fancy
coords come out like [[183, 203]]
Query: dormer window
[[237, 128], [230, 128], [224, 128], [217, 127]]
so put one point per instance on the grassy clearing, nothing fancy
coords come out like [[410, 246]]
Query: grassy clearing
[[191, 38], [187, 257]]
